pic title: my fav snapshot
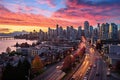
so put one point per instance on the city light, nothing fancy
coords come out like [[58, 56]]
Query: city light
[[92, 51], [59, 40]]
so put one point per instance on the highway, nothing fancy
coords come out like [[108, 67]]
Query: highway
[[93, 67], [99, 72], [79, 74], [49, 72]]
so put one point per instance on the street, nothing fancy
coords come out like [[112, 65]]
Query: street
[[49, 72], [93, 67], [100, 72], [79, 74]]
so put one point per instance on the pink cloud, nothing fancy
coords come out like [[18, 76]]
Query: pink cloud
[[30, 19], [17, 8], [74, 14], [80, 11], [48, 2]]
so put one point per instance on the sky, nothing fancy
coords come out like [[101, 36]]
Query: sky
[[18, 15]]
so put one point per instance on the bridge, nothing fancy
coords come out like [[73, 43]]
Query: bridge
[[6, 38]]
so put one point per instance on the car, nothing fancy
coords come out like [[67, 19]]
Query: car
[[108, 69], [94, 66], [91, 65], [108, 73], [58, 67], [89, 68], [73, 77], [87, 72], [97, 74], [85, 78]]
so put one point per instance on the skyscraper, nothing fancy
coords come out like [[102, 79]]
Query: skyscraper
[[86, 28], [104, 31], [41, 35], [119, 34], [57, 27], [99, 31], [114, 31], [79, 33], [90, 31]]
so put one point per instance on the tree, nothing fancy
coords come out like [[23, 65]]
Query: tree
[[26, 66], [9, 73], [14, 52], [37, 64], [17, 45], [68, 61], [25, 45], [19, 72], [33, 44], [8, 50]]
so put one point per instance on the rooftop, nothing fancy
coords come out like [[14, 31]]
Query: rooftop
[[114, 56]]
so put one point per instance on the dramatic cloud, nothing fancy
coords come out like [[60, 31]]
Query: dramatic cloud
[[48, 13], [48, 2], [18, 18], [99, 11]]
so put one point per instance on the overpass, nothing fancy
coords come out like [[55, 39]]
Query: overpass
[[6, 37]]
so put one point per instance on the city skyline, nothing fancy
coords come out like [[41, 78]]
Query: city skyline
[[41, 14]]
